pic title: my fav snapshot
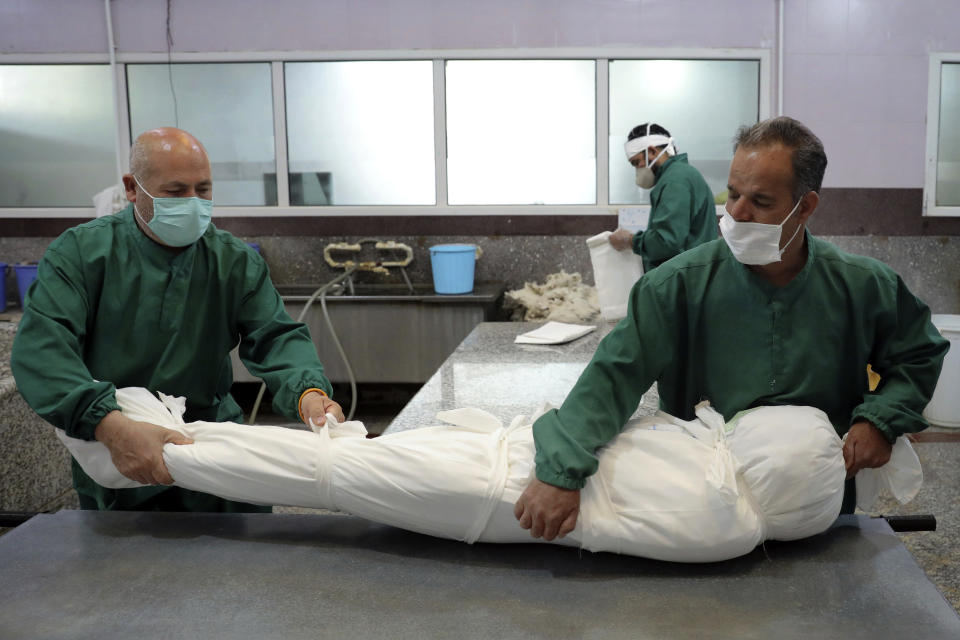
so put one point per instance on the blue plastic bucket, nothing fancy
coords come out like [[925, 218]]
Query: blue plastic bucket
[[26, 274], [3, 286], [452, 266]]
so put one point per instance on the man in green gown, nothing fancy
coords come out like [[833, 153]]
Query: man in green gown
[[767, 315], [682, 210], [155, 296]]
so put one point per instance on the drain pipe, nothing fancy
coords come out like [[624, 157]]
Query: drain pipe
[[322, 294], [780, 5], [116, 92]]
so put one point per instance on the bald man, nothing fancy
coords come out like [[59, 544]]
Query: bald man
[[156, 296]]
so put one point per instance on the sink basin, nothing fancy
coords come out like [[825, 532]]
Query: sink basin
[[298, 291], [389, 333], [387, 292]]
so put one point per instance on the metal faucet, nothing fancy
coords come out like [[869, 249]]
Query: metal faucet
[[376, 266]]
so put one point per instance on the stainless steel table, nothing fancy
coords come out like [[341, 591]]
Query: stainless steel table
[[164, 575], [81, 574]]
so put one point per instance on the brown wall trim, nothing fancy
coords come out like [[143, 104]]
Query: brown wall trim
[[465, 225], [877, 212], [842, 212]]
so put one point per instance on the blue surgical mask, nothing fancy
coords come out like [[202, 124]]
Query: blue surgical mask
[[177, 222]]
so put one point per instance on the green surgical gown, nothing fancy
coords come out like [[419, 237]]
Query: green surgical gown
[[705, 327], [111, 308], [682, 214]]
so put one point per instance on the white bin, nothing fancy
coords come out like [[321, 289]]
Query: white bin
[[944, 407]]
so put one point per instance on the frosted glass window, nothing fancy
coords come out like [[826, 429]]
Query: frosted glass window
[[701, 103], [360, 133], [56, 135], [948, 145], [228, 107], [521, 132]]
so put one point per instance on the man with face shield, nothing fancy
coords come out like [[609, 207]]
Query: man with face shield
[[767, 315], [156, 296], [682, 212]]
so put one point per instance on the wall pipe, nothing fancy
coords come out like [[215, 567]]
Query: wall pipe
[[116, 92], [780, 5]]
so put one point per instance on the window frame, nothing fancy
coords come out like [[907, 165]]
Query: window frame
[[600, 55], [930, 207]]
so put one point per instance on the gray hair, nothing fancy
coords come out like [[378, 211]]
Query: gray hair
[[139, 154], [809, 158]]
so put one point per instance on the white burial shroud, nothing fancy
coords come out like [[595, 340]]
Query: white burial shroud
[[668, 489]]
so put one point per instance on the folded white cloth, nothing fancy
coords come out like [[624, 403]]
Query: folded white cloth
[[696, 491], [554, 333]]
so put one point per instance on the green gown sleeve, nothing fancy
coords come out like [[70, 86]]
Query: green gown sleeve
[[626, 363], [669, 226], [47, 351], [277, 349], [908, 355]]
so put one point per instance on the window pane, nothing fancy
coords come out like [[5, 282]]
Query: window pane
[[228, 107], [360, 133], [521, 131], [56, 135], [948, 146], [701, 103]]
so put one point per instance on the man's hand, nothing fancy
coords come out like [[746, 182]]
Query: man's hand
[[547, 511], [315, 406], [621, 239], [865, 448], [136, 448]]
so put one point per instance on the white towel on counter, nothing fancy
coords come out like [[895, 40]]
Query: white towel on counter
[[554, 333], [696, 491]]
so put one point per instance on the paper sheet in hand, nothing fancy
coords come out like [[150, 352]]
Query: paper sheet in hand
[[554, 333], [633, 219]]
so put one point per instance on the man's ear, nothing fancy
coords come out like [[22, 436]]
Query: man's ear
[[808, 204], [130, 186]]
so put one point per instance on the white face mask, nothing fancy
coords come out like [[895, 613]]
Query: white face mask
[[755, 242], [645, 176]]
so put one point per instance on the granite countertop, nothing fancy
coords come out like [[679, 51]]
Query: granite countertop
[[8, 328], [490, 372]]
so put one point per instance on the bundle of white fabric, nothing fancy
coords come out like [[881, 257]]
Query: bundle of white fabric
[[694, 491]]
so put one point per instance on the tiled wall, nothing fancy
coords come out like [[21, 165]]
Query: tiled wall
[[854, 70]]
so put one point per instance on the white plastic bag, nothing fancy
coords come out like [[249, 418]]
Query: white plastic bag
[[614, 273]]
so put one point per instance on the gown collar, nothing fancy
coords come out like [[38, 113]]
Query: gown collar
[[766, 292], [152, 251]]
